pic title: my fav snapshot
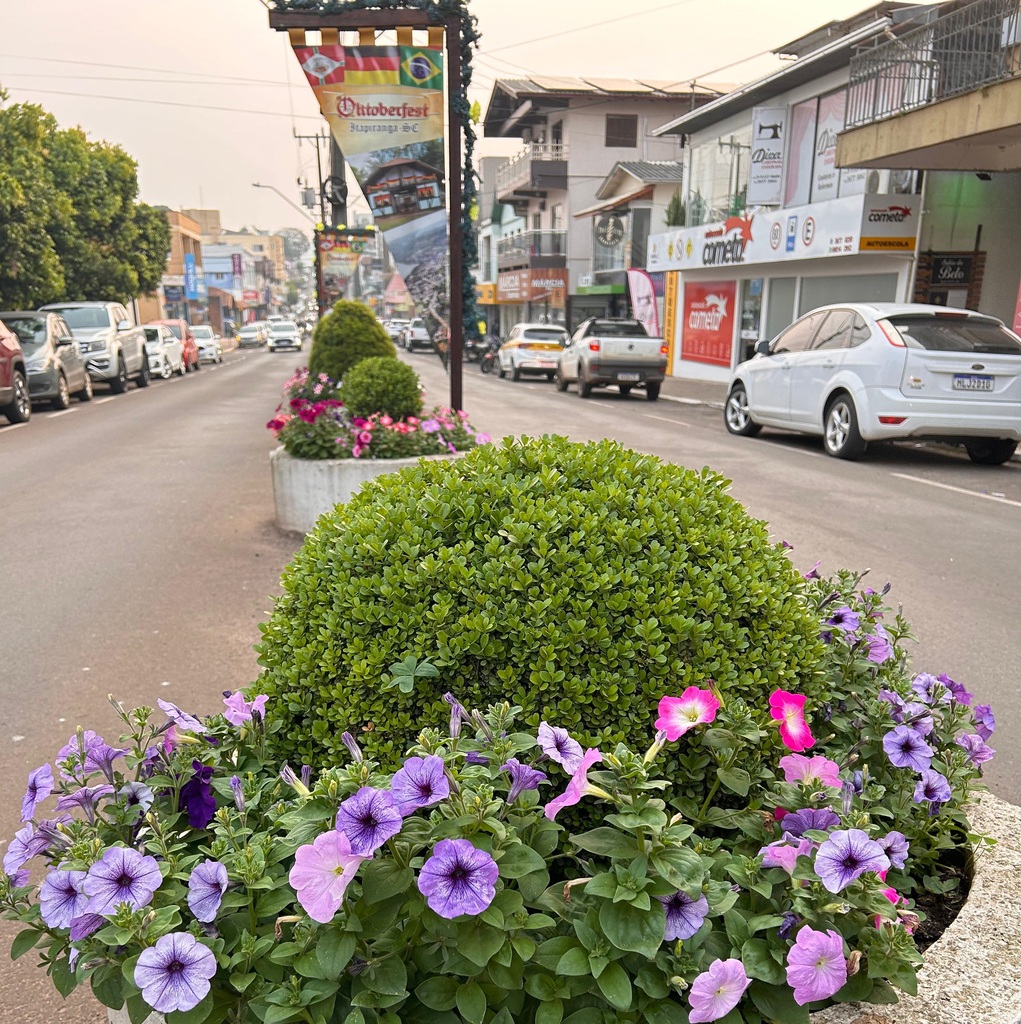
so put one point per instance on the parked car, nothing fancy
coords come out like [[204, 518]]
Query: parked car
[[114, 349], [283, 334], [53, 359], [396, 328], [208, 341], [532, 348], [252, 336], [415, 334], [189, 346], [15, 402], [608, 350], [859, 372], [166, 353]]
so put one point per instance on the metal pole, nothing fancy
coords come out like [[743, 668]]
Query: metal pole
[[455, 343]]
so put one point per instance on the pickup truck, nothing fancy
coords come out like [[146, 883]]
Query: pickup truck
[[607, 350], [416, 333]]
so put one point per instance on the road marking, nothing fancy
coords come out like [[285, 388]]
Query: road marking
[[13, 426], [958, 490], [100, 401], [62, 412], [665, 419]]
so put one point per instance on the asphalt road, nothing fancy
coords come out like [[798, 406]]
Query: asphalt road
[[140, 553]]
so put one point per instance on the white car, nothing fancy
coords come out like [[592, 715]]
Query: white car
[[857, 372], [210, 350], [283, 334], [532, 348], [395, 328], [166, 354]]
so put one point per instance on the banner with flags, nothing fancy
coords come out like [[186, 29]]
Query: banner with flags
[[384, 105]]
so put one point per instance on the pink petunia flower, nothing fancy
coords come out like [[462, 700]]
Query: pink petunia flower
[[385, 421], [816, 968], [715, 992], [240, 710], [577, 787], [679, 714], [798, 768], [365, 438], [322, 872], [789, 710], [782, 854]]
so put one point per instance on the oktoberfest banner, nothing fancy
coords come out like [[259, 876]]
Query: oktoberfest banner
[[384, 105], [338, 261]]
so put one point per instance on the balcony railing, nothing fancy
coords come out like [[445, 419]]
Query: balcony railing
[[518, 169], [975, 46], [519, 250]]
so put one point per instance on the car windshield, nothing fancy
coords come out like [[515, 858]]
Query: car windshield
[[540, 334], [84, 316], [30, 330], [203, 332], [283, 328], [153, 336], [175, 330], [249, 330], [619, 329], [950, 333]]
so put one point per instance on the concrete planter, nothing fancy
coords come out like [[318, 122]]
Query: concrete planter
[[121, 1017], [303, 489]]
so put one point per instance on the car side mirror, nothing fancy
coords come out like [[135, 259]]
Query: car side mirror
[[64, 342], [123, 325], [762, 347]]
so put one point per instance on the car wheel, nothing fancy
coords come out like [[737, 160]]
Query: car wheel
[[20, 409], [145, 375], [62, 399], [515, 374], [120, 383], [85, 395], [584, 388], [625, 389], [841, 436], [165, 369], [990, 451], [500, 370], [197, 366], [558, 377], [652, 390], [736, 415], [183, 368]]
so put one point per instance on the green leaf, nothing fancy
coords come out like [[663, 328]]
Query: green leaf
[[308, 966], [383, 878], [281, 1014], [334, 951], [438, 993], [629, 928], [533, 885], [107, 987], [519, 860], [652, 982], [139, 1011], [271, 903], [574, 963], [760, 964], [681, 867], [196, 1015], [524, 946], [389, 977], [63, 977], [479, 942], [607, 842], [776, 1002], [24, 941], [616, 988], [241, 980], [737, 780], [550, 1013], [665, 1011], [856, 989], [471, 1002], [737, 927], [604, 885]]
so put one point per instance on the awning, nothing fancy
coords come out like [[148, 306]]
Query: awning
[[615, 202]]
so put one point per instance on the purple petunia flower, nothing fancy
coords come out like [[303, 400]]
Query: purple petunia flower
[[473, 758], [137, 794], [197, 796], [40, 785], [798, 823], [458, 879], [175, 973], [240, 710], [84, 799], [906, 749], [880, 648], [430, 426], [957, 690], [420, 782], [96, 755], [522, 778], [239, 794], [844, 619], [206, 886], [122, 876], [321, 874], [684, 916], [557, 744], [180, 718], [813, 573], [932, 788], [62, 898], [816, 968], [26, 844], [918, 716], [790, 922], [715, 992], [931, 689], [847, 855], [86, 925], [352, 747], [896, 702], [369, 819], [895, 846], [975, 749], [985, 721]]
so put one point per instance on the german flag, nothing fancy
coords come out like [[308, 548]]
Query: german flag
[[372, 65], [421, 68]]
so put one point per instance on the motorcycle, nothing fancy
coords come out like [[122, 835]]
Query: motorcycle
[[488, 358]]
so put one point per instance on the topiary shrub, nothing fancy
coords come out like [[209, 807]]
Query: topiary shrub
[[382, 385], [579, 581], [347, 336]]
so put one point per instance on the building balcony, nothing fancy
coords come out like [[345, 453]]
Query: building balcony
[[543, 250], [542, 167], [944, 96]]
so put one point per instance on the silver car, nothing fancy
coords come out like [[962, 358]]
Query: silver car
[[166, 354], [210, 350], [53, 359]]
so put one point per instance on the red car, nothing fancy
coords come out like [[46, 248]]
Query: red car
[[189, 346], [15, 403]]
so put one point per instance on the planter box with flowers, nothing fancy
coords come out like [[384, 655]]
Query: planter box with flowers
[[326, 454]]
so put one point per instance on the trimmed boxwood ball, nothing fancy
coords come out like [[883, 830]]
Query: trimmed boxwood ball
[[345, 337], [384, 385], [580, 581]]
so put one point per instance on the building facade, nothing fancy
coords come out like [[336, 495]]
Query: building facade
[[182, 293]]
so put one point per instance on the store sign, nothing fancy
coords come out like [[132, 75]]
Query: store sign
[[548, 286], [769, 140], [485, 293], [825, 173], [235, 264], [951, 271], [800, 146], [173, 293], [250, 295], [839, 227], [707, 327], [643, 300], [191, 278]]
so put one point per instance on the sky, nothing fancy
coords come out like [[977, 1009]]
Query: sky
[[207, 98]]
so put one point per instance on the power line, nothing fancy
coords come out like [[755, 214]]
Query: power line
[[245, 82]]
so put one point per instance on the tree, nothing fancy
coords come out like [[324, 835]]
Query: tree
[[675, 211], [151, 247]]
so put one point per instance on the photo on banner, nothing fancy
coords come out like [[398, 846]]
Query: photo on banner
[[385, 105]]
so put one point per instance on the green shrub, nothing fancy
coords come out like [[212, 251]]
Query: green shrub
[[347, 336], [382, 385], [580, 581]]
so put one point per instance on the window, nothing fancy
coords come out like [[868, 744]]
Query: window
[[798, 336], [822, 291], [537, 222], [718, 181], [836, 331], [621, 131]]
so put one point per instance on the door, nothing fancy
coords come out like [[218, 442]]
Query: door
[[811, 371], [69, 356], [769, 378]]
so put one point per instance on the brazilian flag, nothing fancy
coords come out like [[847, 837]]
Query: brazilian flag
[[421, 68]]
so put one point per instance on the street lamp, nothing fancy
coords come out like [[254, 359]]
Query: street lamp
[[273, 188], [315, 238]]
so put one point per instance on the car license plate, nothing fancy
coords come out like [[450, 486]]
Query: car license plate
[[972, 382], [629, 376]]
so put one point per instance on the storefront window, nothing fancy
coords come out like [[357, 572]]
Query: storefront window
[[751, 316], [780, 311], [820, 291], [718, 184]]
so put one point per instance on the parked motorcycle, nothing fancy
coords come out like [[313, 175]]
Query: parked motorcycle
[[487, 360]]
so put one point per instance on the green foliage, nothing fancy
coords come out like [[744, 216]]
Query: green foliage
[[581, 581], [348, 335], [149, 253], [384, 385], [675, 211]]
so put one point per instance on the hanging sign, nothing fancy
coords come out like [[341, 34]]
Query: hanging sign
[[769, 139]]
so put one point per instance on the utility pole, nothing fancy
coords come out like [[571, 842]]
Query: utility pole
[[320, 188]]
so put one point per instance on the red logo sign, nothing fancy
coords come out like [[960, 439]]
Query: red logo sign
[[708, 325]]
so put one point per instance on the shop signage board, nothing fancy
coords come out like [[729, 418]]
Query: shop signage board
[[173, 293], [707, 326], [800, 151], [514, 286], [838, 227], [769, 141], [643, 300], [951, 271], [825, 173], [191, 277]]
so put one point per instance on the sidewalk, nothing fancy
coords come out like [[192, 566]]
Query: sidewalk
[[693, 392]]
